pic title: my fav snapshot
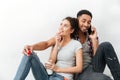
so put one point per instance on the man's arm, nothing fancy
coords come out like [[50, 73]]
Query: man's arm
[[94, 39], [95, 43]]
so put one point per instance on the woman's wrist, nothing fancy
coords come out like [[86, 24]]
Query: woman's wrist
[[32, 46], [56, 69], [56, 46]]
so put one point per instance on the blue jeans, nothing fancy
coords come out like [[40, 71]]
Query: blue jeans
[[33, 62], [55, 76], [37, 67], [106, 54]]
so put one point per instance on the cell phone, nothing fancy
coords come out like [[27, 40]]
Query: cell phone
[[89, 30]]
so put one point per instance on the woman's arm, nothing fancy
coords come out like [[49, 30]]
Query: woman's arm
[[53, 55], [39, 46], [75, 69], [44, 44], [55, 48]]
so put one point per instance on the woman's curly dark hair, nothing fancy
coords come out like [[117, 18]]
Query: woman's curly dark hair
[[74, 25]]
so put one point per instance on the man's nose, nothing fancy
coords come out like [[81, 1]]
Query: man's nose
[[86, 24]]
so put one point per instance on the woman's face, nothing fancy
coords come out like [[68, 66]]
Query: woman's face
[[65, 28], [84, 22]]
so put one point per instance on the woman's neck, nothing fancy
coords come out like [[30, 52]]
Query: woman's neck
[[65, 40]]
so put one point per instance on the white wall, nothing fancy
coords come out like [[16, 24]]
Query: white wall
[[29, 21]]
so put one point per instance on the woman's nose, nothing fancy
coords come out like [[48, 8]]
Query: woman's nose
[[61, 28]]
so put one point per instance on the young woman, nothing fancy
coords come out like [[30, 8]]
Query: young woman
[[66, 57]]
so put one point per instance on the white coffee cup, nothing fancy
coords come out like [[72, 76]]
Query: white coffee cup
[[49, 71]]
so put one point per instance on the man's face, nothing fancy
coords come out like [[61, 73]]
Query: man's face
[[84, 22]]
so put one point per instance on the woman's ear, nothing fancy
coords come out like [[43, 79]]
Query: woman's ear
[[72, 30]]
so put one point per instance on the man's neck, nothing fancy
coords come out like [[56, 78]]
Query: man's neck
[[82, 36]]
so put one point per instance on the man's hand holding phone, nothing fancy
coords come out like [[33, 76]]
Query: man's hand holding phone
[[93, 34]]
